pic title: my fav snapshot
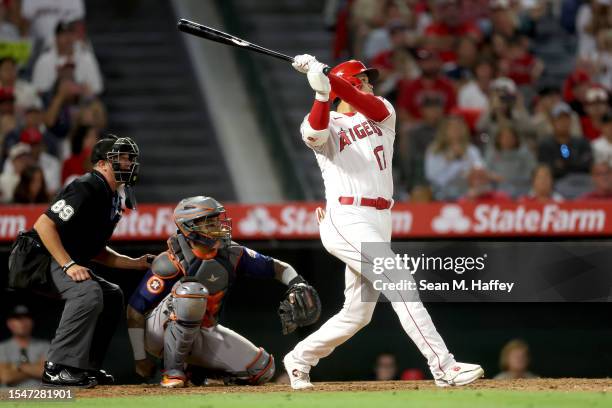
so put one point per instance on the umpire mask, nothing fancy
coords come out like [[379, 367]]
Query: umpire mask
[[123, 154]]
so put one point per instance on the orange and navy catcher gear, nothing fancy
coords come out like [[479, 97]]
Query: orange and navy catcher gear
[[204, 223]]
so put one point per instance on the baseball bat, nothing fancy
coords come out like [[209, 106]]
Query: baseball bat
[[211, 34]]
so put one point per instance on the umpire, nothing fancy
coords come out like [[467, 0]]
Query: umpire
[[74, 231]]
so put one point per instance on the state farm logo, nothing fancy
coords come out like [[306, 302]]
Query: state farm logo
[[258, 221], [451, 219], [491, 218]]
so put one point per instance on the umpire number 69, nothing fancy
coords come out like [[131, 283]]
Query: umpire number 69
[[62, 210]]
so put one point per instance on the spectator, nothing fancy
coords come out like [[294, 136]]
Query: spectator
[[514, 361], [506, 107], [82, 141], [541, 121], [475, 93], [386, 368], [395, 64], [64, 101], [542, 186], [602, 59], [8, 31], [447, 27], [602, 146], [431, 84], [33, 118], [86, 72], [596, 105], [22, 357], [467, 54], [44, 15], [503, 19], [20, 157], [379, 39], [413, 143], [574, 90], [511, 162], [481, 188], [593, 16], [91, 113], [31, 188], [519, 64], [49, 164], [601, 174], [7, 112], [23, 91], [569, 157], [449, 159]]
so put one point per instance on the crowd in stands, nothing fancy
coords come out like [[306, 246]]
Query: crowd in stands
[[480, 119], [50, 111]]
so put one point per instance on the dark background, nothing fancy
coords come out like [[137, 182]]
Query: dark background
[[566, 339]]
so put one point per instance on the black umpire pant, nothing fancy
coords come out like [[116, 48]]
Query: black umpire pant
[[91, 314]]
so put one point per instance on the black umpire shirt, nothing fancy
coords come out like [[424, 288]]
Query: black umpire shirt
[[85, 213]]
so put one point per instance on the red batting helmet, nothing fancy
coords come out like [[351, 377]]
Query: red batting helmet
[[349, 70]]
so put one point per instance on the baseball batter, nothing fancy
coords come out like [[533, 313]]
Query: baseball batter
[[353, 146], [174, 312]]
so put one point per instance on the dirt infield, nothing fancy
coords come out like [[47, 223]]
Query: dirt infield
[[541, 384]]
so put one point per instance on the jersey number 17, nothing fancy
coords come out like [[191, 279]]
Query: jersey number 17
[[379, 152]]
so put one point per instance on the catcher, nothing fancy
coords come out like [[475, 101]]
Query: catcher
[[174, 312]]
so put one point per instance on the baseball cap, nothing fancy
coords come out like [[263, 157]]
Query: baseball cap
[[596, 94], [561, 108], [19, 311], [101, 148], [18, 150], [504, 84], [31, 136]]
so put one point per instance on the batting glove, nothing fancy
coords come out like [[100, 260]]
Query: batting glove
[[318, 81], [302, 62]]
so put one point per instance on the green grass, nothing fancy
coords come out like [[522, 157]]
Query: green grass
[[377, 399]]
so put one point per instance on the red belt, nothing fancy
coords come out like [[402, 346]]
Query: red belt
[[378, 203]]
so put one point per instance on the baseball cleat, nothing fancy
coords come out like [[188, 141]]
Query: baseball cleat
[[173, 380], [57, 375], [299, 379], [460, 374]]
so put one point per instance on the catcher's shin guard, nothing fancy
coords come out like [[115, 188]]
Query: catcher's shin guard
[[188, 309], [261, 369]]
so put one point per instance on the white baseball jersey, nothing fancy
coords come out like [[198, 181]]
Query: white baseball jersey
[[355, 154]]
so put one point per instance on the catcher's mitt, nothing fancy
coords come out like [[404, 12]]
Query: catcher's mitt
[[301, 306]]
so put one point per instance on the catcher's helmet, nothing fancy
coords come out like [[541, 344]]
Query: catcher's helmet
[[349, 70], [114, 149], [203, 221]]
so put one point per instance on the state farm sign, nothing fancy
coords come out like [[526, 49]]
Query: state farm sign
[[488, 218], [297, 220]]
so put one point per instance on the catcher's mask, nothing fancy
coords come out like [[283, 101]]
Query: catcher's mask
[[203, 221], [122, 153]]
